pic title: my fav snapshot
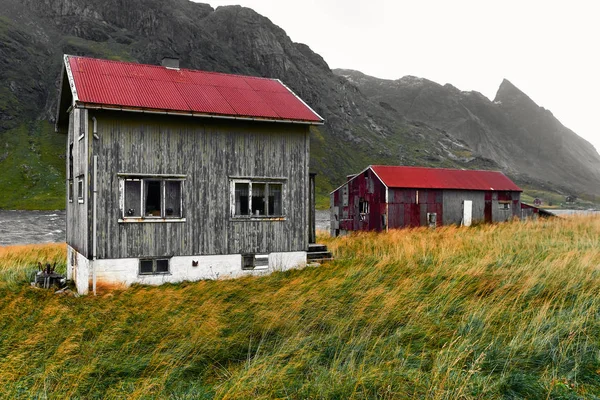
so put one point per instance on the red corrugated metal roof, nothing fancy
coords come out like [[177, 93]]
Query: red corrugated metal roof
[[442, 178], [121, 84]]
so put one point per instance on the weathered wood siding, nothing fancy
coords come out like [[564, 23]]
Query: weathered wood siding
[[78, 226], [208, 153], [501, 215], [453, 205], [346, 212], [409, 207]]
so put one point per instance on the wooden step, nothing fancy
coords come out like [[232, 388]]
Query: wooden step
[[316, 247], [314, 255]]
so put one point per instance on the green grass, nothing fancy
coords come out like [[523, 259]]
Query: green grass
[[33, 168], [493, 311]]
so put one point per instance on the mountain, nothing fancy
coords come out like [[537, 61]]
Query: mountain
[[525, 140], [410, 122]]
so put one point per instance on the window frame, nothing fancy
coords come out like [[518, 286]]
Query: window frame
[[143, 178], [267, 181], [255, 262], [70, 184], [70, 189], [504, 205], [154, 266], [80, 189]]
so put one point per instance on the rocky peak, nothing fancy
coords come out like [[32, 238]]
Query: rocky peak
[[507, 92]]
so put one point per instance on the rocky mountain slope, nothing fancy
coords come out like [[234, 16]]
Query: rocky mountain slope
[[400, 125], [525, 140]]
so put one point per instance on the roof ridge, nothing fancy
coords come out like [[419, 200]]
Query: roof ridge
[[438, 168], [178, 69]]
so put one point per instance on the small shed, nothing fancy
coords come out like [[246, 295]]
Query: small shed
[[176, 174], [534, 212], [387, 197]]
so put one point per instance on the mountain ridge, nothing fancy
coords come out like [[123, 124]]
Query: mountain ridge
[[483, 124], [443, 127]]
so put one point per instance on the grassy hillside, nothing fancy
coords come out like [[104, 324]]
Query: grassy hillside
[[32, 162], [493, 311]]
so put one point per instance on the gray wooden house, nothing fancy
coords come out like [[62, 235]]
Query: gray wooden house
[[383, 197], [175, 174]]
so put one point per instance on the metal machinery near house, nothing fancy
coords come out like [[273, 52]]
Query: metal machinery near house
[[175, 174], [388, 197]]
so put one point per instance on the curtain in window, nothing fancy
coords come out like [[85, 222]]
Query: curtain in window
[[133, 192], [275, 199], [173, 199], [241, 198], [258, 199]]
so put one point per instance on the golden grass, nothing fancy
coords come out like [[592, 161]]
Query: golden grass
[[19, 261], [493, 311]]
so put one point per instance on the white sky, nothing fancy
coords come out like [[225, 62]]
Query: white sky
[[548, 49]]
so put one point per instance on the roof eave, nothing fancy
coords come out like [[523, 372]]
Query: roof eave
[[111, 107], [71, 83]]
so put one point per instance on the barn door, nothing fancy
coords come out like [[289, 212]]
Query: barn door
[[467, 212], [487, 208]]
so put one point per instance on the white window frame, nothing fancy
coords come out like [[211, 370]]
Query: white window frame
[[250, 182], [154, 260], [70, 190], [143, 178], [80, 189]]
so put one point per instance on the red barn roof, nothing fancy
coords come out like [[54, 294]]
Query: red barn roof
[[442, 178], [130, 86]]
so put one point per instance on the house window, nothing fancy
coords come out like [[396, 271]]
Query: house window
[[70, 175], [154, 266], [255, 261], [80, 189], [70, 190], [257, 198], [151, 197]]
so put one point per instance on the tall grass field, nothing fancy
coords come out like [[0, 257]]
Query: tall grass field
[[502, 311]]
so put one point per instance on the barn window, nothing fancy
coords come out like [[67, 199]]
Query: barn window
[[504, 205], [154, 266], [363, 209], [257, 198], [152, 198]]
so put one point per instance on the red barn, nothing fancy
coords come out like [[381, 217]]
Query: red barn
[[388, 197]]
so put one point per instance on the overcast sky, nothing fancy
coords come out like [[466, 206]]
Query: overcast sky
[[548, 49]]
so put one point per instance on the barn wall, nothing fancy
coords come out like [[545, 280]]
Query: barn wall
[[500, 214], [409, 207], [208, 153], [345, 209], [453, 205], [77, 234]]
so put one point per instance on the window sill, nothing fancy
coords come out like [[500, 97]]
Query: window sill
[[261, 268], [151, 220], [155, 274], [254, 219]]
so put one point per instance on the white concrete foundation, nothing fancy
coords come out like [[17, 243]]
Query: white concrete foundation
[[125, 271], [79, 270]]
